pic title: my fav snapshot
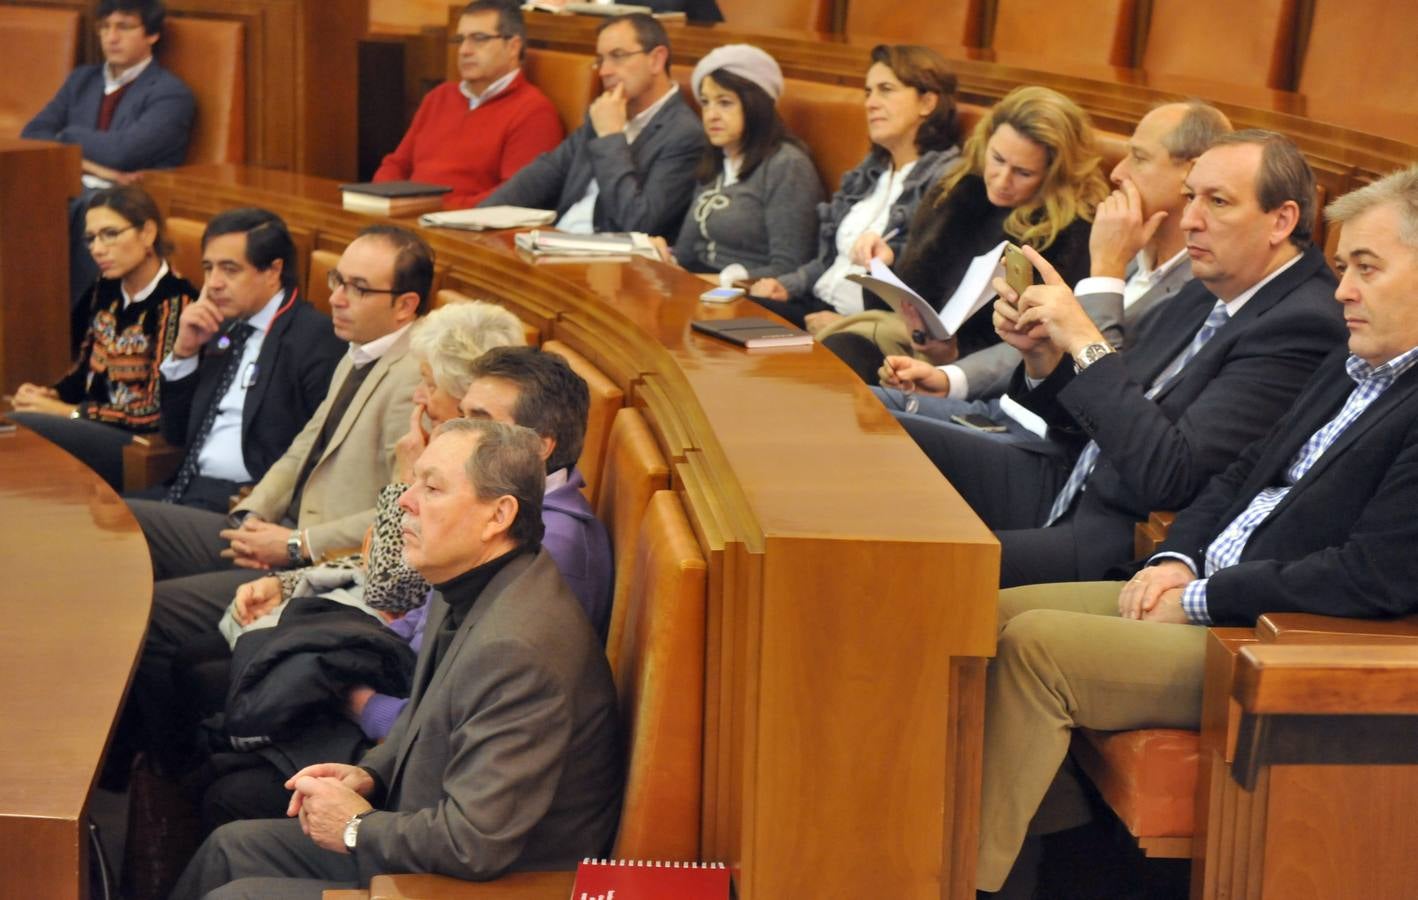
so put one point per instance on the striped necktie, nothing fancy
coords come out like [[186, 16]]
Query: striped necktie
[[238, 334], [1089, 457]]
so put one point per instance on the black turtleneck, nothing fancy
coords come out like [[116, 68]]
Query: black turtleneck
[[462, 591]]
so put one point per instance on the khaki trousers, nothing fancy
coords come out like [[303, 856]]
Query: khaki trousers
[[880, 326], [1066, 660]]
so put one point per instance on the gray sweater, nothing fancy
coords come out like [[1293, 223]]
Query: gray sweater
[[766, 222]]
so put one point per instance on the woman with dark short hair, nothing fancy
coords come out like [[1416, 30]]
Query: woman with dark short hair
[[754, 211], [111, 391]]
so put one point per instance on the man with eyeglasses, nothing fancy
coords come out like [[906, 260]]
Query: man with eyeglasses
[[128, 114], [249, 366], [317, 499], [630, 166], [474, 134]]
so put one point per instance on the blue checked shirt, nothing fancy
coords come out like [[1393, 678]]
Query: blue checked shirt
[[1226, 549]]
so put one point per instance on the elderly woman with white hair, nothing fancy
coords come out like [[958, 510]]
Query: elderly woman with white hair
[[754, 212], [375, 580]]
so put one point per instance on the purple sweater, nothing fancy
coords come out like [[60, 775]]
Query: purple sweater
[[581, 548]]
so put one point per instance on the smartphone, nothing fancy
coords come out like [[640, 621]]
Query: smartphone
[[721, 295], [978, 422], [1018, 273]]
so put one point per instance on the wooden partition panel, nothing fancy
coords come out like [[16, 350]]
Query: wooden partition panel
[[1259, 53], [944, 24], [1033, 32], [40, 43]]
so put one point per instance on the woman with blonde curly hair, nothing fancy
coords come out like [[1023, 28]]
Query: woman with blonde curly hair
[[1031, 175]]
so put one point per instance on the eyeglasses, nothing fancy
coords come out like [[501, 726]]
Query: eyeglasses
[[615, 57], [478, 38], [105, 236], [121, 27], [355, 292]]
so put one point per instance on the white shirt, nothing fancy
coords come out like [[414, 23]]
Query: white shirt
[[146, 291], [868, 214], [112, 83], [221, 455], [492, 90], [363, 354], [1144, 276], [579, 217]]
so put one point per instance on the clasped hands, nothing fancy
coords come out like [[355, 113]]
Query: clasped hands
[[256, 544], [325, 797], [35, 398], [1154, 594]]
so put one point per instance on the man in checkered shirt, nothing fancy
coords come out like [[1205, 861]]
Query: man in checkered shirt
[[1315, 517]]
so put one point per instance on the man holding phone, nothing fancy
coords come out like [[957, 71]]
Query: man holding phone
[[1208, 373], [250, 364]]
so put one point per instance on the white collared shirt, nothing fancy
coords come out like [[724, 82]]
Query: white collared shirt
[[1234, 305], [146, 291], [130, 74], [579, 217], [492, 90], [1143, 277], [221, 455], [871, 213], [363, 354]]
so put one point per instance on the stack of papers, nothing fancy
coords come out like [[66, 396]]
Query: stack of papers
[[489, 218], [556, 243], [973, 292]]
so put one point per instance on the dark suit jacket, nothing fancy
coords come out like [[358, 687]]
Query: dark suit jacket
[[150, 126], [293, 372], [1159, 453], [1342, 541], [644, 186], [508, 753]]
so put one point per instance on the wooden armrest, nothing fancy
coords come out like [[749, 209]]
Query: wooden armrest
[[516, 886], [351, 894], [1148, 536], [1311, 679], [148, 460], [1307, 628]]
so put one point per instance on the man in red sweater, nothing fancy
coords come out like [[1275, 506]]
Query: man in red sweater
[[474, 134]]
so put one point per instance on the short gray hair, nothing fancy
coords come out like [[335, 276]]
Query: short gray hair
[[452, 337], [1398, 188], [506, 462], [1199, 128]]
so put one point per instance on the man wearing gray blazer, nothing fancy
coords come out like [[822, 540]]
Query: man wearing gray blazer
[[1137, 259], [507, 756], [317, 498], [630, 166]]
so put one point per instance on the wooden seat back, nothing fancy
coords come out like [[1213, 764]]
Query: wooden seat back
[[185, 235], [567, 79], [531, 333], [606, 400], [1260, 54], [660, 680], [317, 279], [943, 24], [1343, 32], [209, 55], [634, 470], [831, 120], [799, 15], [1093, 32], [39, 47]]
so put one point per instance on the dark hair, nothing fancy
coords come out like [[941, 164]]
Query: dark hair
[[505, 463], [763, 129], [927, 71], [510, 23], [137, 207], [267, 240], [413, 266], [552, 400], [649, 33], [152, 12], [1284, 175]]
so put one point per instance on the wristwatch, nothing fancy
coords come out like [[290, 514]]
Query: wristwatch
[[1090, 355], [352, 829], [293, 551]]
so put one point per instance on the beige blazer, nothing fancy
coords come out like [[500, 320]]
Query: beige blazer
[[338, 503]]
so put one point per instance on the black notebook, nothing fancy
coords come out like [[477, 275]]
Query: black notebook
[[754, 332]]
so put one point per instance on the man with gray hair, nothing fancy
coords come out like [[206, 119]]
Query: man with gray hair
[[1316, 517], [507, 756]]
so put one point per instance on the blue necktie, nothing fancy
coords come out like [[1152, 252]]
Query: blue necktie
[[1089, 457], [238, 335]]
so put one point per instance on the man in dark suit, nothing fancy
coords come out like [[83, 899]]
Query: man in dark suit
[[251, 362], [630, 167], [507, 755], [1209, 372], [1316, 517], [127, 114]]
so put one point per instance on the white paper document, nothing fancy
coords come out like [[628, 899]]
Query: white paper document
[[489, 218], [973, 292]]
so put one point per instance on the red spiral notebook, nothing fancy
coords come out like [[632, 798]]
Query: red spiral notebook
[[635, 879]]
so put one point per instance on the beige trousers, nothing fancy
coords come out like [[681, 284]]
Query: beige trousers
[[1066, 660], [880, 326]]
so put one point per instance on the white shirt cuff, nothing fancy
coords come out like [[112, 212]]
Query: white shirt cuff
[[959, 382], [174, 369], [729, 274], [1179, 557], [1099, 284]]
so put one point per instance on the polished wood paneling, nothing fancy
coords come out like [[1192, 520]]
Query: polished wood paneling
[[819, 520], [41, 43], [72, 635], [36, 178]]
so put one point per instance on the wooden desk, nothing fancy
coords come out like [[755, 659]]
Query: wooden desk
[[36, 180], [851, 591], [77, 585]]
